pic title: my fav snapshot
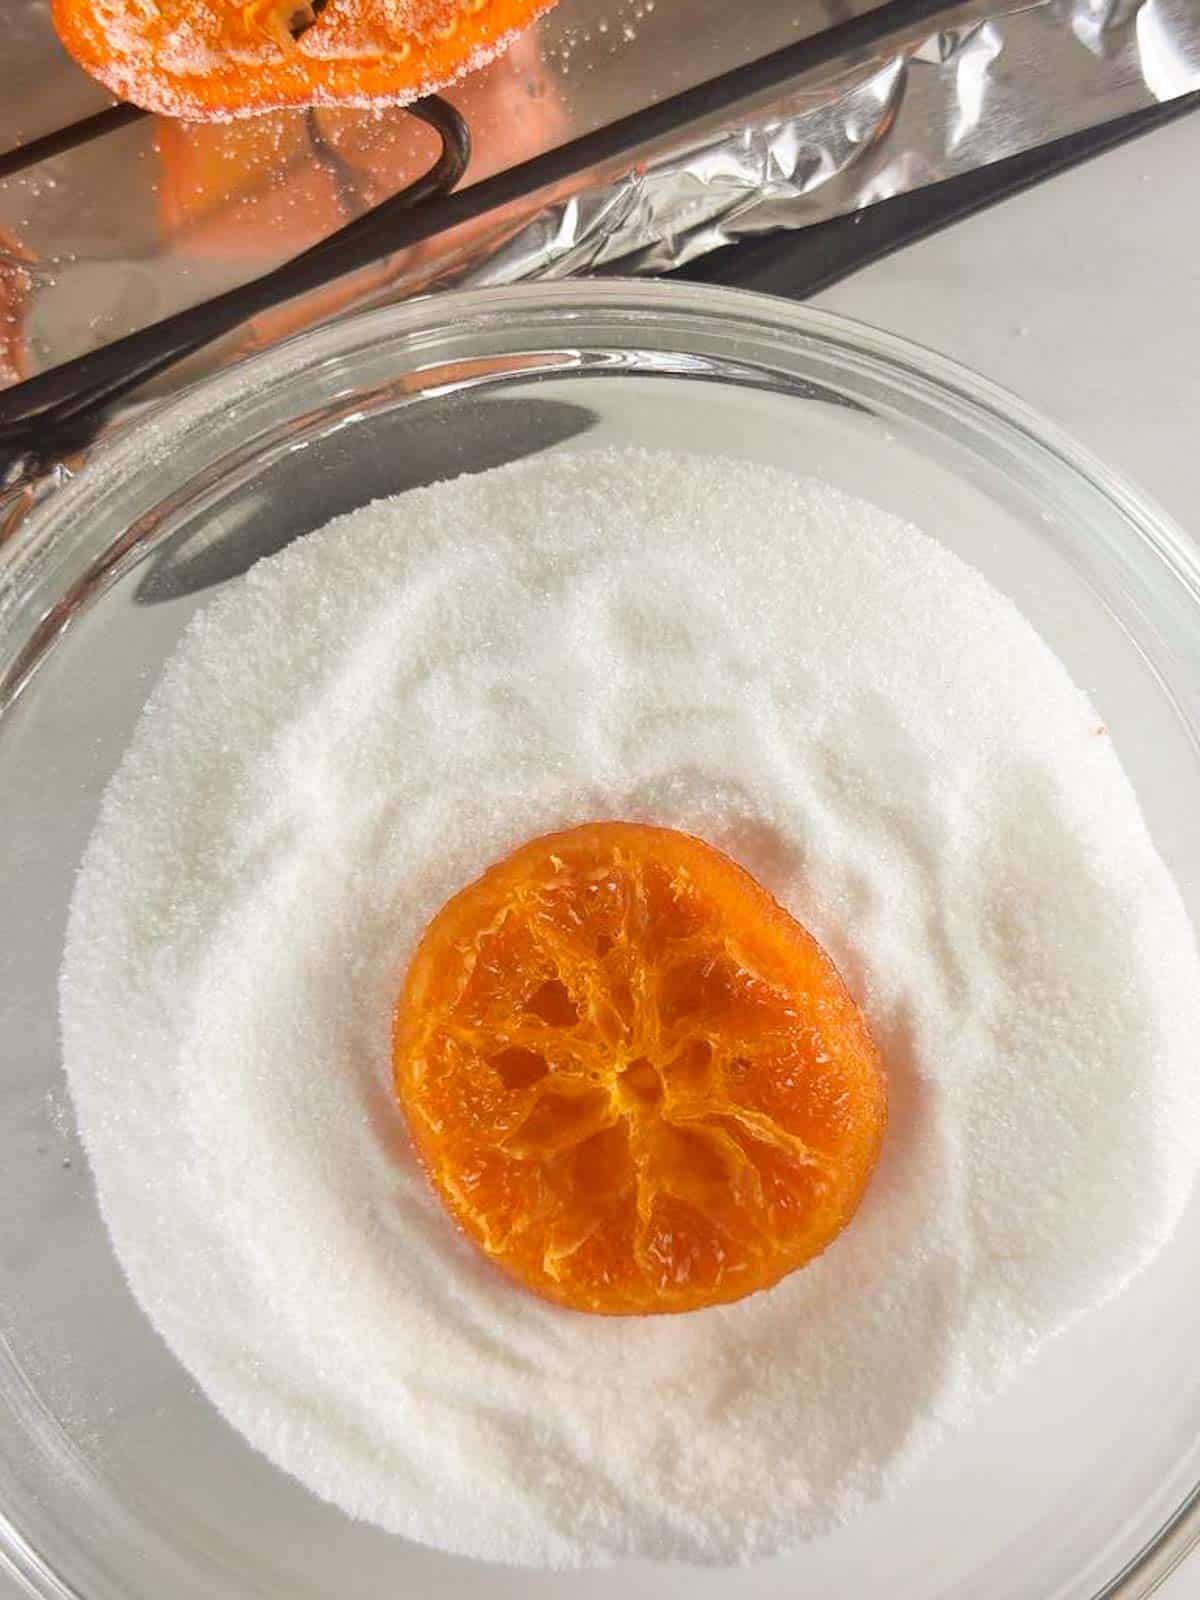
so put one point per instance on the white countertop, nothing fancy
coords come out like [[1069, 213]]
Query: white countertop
[[1083, 296]]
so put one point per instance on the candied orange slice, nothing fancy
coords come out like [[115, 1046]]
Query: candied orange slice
[[212, 59], [635, 1081]]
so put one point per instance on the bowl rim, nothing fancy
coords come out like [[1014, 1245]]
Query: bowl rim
[[144, 448], [120, 461]]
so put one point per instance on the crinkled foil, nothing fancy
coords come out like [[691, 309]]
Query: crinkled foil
[[988, 83], [926, 103]]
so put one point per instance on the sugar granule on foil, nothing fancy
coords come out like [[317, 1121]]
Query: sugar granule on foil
[[358, 727]]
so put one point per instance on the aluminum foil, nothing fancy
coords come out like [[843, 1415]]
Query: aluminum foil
[[989, 82], [928, 102]]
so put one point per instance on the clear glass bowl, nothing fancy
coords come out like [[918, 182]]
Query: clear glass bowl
[[117, 1480]]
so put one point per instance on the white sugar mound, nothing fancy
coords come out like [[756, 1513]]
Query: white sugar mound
[[366, 721]]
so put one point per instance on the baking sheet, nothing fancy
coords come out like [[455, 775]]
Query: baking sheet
[[930, 103], [199, 208], [162, 214]]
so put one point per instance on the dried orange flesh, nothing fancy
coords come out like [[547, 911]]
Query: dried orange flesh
[[204, 59], [635, 1081]]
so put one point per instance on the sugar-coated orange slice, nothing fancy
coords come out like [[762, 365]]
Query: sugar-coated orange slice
[[635, 1081], [203, 59]]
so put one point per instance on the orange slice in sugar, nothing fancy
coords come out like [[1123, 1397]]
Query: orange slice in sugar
[[635, 1081]]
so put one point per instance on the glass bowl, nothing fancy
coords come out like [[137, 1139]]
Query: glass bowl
[[117, 1479]]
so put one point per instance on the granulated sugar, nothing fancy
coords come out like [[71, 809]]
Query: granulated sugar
[[365, 722]]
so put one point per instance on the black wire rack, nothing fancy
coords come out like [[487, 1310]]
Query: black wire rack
[[56, 412]]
